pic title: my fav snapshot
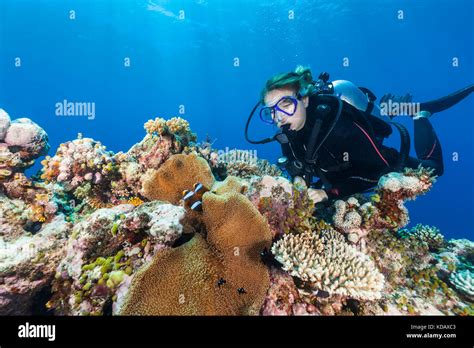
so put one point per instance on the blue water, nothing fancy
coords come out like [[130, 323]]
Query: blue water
[[190, 62]]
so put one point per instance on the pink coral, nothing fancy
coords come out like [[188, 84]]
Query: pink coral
[[78, 160], [21, 142], [283, 297]]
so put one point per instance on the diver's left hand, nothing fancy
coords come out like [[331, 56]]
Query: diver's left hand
[[317, 195]]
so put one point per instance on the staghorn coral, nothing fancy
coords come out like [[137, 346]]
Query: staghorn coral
[[179, 173], [463, 281], [328, 263], [185, 280], [428, 235]]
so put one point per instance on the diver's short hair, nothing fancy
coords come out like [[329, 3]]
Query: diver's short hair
[[301, 80]]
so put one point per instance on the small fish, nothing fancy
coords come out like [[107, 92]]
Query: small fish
[[267, 258], [199, 190], [241, 291], [32, 226], [322, 294], [196, 206], [193, 199], [187, 195]]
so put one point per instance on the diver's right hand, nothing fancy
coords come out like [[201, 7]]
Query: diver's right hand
[[317, 195]]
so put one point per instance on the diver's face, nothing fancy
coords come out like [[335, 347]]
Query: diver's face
[[298, 119]]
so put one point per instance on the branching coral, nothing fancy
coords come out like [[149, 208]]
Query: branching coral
[[328, 263], [348, 219], [175, 126], [428, 235], [245, 164]]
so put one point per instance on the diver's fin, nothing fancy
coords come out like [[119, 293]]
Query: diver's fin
[[446, 102]]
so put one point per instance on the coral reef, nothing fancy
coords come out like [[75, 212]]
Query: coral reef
[[286, 208], [428, 235], [240, 163], [175, 227], [357, 216], [82, 167], [107, 248], [244, 164]]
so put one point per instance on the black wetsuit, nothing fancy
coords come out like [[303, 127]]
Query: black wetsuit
[[353, 157]]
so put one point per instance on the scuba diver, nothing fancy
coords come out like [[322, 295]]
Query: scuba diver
[[334, 131]]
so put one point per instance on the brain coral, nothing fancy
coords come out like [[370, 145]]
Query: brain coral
[[218, 275]]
